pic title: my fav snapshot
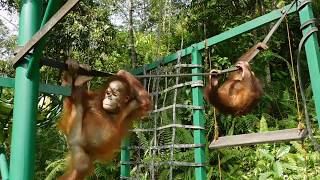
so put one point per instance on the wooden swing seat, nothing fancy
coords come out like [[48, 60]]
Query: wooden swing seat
[[259, 138]]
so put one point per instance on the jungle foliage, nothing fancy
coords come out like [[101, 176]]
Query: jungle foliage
[[96, 32]]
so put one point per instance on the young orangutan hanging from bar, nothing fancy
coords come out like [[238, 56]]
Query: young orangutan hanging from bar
[[242, 90], [95, 122]]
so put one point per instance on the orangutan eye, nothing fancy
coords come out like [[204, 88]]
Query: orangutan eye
[[108, 93]]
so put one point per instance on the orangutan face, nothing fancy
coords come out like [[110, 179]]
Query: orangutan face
[[115, 96]]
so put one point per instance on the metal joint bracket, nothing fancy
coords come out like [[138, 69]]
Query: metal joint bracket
[[199, 83], [303, 4], [307, 23]]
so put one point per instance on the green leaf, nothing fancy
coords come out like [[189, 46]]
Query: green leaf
[[282, 151], [265, 175], [278, 169], [231, 130], [263, 124], [265, 153], [290, 166]]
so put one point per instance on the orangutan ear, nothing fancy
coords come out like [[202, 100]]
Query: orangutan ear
[[127, 98]]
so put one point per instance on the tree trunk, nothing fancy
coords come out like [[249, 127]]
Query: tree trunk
[[131, 36]]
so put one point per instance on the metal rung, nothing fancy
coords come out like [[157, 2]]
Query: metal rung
[[259, 138]]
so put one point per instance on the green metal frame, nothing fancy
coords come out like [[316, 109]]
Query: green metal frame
[[3, 165], [27, 86], [313, 56], [198, 119], [45, 88], [125, 157], [312, 50], [24, 113]]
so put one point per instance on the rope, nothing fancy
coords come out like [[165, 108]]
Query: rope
[[156, 87], [161, 163], [174, 114], [293, 76], [179, 106], [169, 126], [189, 65], [189, 83], [195, 74], [175, 146]]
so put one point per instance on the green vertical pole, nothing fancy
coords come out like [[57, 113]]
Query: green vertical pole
[[313, 56], [25, 98], [198, 119], [4, 167], [125, 158]]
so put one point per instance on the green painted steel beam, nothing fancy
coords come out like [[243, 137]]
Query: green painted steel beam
[[45, 88], [125, 157], [198, 119], [4, 167], [248, 26], [53, 89], [7, 82], [22, 157], [313, 56]]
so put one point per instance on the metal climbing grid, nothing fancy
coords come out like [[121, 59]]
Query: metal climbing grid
[[175, 126]]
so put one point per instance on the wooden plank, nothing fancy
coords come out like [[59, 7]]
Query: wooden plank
[[46, 28], [258, 138]]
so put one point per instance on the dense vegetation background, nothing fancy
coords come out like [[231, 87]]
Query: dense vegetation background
[[104, 34]]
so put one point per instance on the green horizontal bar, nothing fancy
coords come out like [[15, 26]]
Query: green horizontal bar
[[45, 88], [250, 25], [7, 82], [53, 89]]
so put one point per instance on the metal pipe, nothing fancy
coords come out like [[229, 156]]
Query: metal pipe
[[198, 120], [4, 167], [22, 157]]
